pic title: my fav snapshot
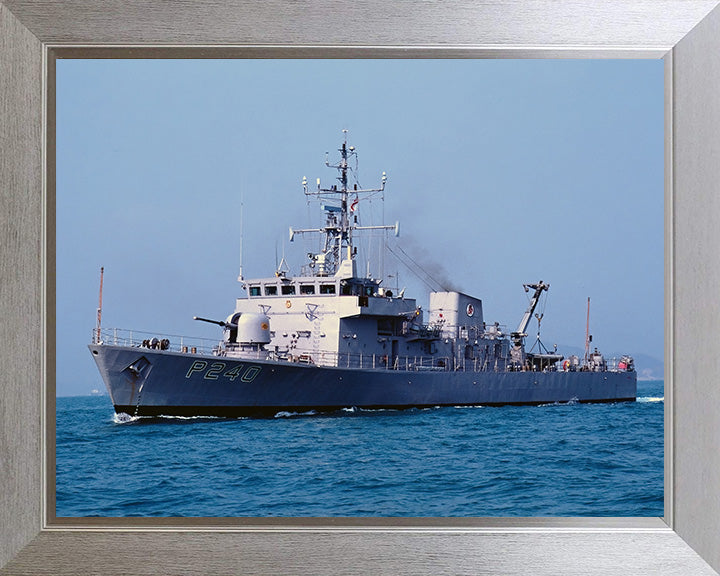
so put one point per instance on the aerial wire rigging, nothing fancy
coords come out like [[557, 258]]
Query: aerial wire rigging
[[416, 268]]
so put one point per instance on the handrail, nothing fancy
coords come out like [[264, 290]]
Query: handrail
[[327, 358], [136, 339]]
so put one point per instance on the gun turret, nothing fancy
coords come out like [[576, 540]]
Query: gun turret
[[218, 322]]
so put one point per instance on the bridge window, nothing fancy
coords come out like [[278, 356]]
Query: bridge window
[[288, 289], [270, 290], [307, 289], [254, 290], [327, 288]]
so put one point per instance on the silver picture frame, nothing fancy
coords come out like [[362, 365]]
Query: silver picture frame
[[685, 33]]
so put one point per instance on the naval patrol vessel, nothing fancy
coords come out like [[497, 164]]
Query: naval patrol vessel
[[333, 337]]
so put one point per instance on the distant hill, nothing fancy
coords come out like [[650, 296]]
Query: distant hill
[[649, 368]]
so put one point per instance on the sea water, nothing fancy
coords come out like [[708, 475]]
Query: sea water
[[553, 460]]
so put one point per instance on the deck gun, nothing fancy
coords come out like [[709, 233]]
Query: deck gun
[[218, 322]]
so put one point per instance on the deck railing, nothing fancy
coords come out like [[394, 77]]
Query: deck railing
[[207, 347], [138, 339], [376, 361], [204, 346]]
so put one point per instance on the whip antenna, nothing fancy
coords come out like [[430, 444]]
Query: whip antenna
[[242, 203]]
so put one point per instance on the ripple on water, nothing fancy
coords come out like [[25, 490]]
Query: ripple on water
[[559, 459]]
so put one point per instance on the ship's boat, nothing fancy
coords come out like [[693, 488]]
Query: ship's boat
[[332, 338]]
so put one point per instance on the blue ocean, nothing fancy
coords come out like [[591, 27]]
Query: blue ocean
[[552, 460]]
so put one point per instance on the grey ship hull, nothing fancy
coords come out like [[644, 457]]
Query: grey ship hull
[[145, 382]]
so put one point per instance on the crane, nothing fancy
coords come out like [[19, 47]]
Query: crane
[[520, 333]]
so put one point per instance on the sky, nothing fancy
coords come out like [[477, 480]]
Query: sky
[[500, 172]]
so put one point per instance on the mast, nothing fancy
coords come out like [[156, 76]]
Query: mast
[[99, 309], [338, 250], [588, 337]]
